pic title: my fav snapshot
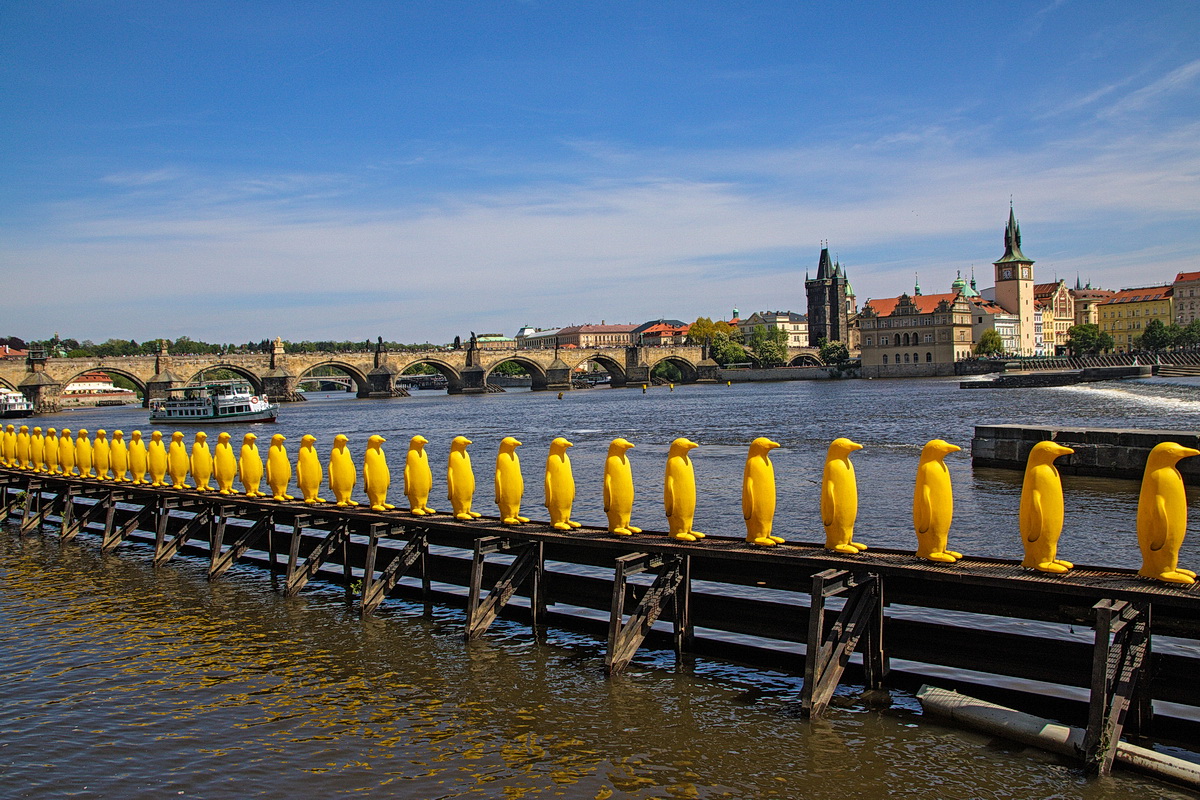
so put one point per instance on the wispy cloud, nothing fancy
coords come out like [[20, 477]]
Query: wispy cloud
[[1176, 80]]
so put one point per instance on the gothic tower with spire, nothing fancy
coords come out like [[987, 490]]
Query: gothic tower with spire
[[828, 313], [1014, 284]]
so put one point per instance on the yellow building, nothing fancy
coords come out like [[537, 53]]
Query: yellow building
[[1087, 303], [914, 336], [1058, 314], [1125, 315]]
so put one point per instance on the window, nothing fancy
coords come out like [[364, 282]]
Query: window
[[906, 358], [868, 342], [929, 358], [916, 358], [885, 358], [897, 340], [897, 358]]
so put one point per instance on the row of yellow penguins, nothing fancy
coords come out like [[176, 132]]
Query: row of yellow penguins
[[1161, 522]]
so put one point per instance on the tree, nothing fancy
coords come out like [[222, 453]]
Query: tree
[[1155, 337], [1189, 335], [990, 343], [1087, 339], [769, 345], [704, 329], [723, 349], [833, 353]]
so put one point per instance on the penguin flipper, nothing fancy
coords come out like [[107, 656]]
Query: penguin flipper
[[607, 492], [747, 498], [669, 495], [827, 503], [922, 511], [1162, 523], [1034, 531]]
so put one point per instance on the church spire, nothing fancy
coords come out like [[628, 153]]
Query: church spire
[[1012, 241]]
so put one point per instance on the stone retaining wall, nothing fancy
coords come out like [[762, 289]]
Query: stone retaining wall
[[1113, 453]]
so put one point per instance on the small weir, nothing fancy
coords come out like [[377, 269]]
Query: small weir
[[1098, 646]]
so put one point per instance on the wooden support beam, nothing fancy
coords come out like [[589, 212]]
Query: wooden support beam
[[164, 551], [528, 563], [112, 538], [1120, 662], [300, 575], [10, 500], [220, 561], [860, 618], [671, 584], [102, 505], [375, 590], [44, 509]]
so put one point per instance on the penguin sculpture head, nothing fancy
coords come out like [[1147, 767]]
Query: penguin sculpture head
[[136, 436], [459, 444], [223, 438], [374, 442], [37, 431], [25, 429], [681, 447], [508, 444], [9, 429], [118, 435], [156, 436], [65, 433], [339, 441], [51, 431], [177, 436], [937, 449], [307, 440], [278, 439], [201, 437], [1046, 452], [842, 447], [100, 434], [559, 446], [1166, 454], [417, 442], [761, 446], [249, 438], [618, 447]]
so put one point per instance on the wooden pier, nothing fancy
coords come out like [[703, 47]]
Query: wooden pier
[[974, 626]]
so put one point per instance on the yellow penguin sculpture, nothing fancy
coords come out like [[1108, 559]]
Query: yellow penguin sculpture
[[250, 466], [201, 462], [37, 450], [679, 491], [178, 461], [8, 446], [839, 497], [225, 465], [758, 493], [1041, 514], [101, 455], [376, 475], [933, 503], [66, 452], [23, 447], [118, 457], [418, 477], [50, 454], [83, 453], [560, 485], [510, 484], [343, 475], [309, 474], [139, 459], [279, 468], [156, 459], [1162, 515], [460, 480], [618, 488]]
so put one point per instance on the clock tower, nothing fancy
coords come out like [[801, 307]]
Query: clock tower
[[1014, 284]]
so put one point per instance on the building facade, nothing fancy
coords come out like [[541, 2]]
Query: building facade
[[1058, 314], [1014, 284], [914, 336], [830, 303], [988, 315], [1185, 297], [1125, 315], [661, 332], [585, 336], [1087, 303], [794, 325]]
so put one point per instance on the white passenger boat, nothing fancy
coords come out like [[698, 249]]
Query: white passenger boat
[[218, 401], [14, 404]]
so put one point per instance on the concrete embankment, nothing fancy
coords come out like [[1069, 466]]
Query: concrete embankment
[[1111, 453], [786, 374], [1026, 380]]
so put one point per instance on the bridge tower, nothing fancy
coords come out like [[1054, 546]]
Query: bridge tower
[[38, 387]]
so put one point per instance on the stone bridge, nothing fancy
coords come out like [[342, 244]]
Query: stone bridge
[[373, 373]]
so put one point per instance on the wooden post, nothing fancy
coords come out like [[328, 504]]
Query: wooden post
[[529, 560], [624, 638], [862, 616], [375, 590], [1119, 664], [300, 575], [220, 561]]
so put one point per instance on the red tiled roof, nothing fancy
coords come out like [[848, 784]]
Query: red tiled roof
[[1187, 276], [598, 329], [1138, 295], [925, 303]]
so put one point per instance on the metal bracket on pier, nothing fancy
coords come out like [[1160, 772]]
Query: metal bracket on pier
[[673, 584], [164, 551], [527, 564], [1120, 680], [375, 590], [62, 500], [297, 577], [218, 561], [860, 618]]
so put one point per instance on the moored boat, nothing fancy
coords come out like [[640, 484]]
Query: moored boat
[[14, 404], [222, 401]]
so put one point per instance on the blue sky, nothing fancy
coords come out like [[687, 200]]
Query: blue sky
[[234, 171]]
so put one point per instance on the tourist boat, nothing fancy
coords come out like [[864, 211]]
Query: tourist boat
[[218, 401], [14, 404]]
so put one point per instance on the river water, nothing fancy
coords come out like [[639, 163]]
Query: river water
[[126, 681]]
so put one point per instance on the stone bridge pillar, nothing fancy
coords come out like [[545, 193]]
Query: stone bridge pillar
[[708, 371], [38, 387], [278, 383], [558, 375], [472, 381], [637, 371], [381, 381], [164, 378]]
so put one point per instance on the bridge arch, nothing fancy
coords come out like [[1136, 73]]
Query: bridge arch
[[805, 360], [7, 385], [689, 371], [452, 375], [111, 371], [361, 384], [536, 371], [616, 369], [255, 381]]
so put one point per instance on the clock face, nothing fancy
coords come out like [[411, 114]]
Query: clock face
[[1006, 273], [1025, 272]]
